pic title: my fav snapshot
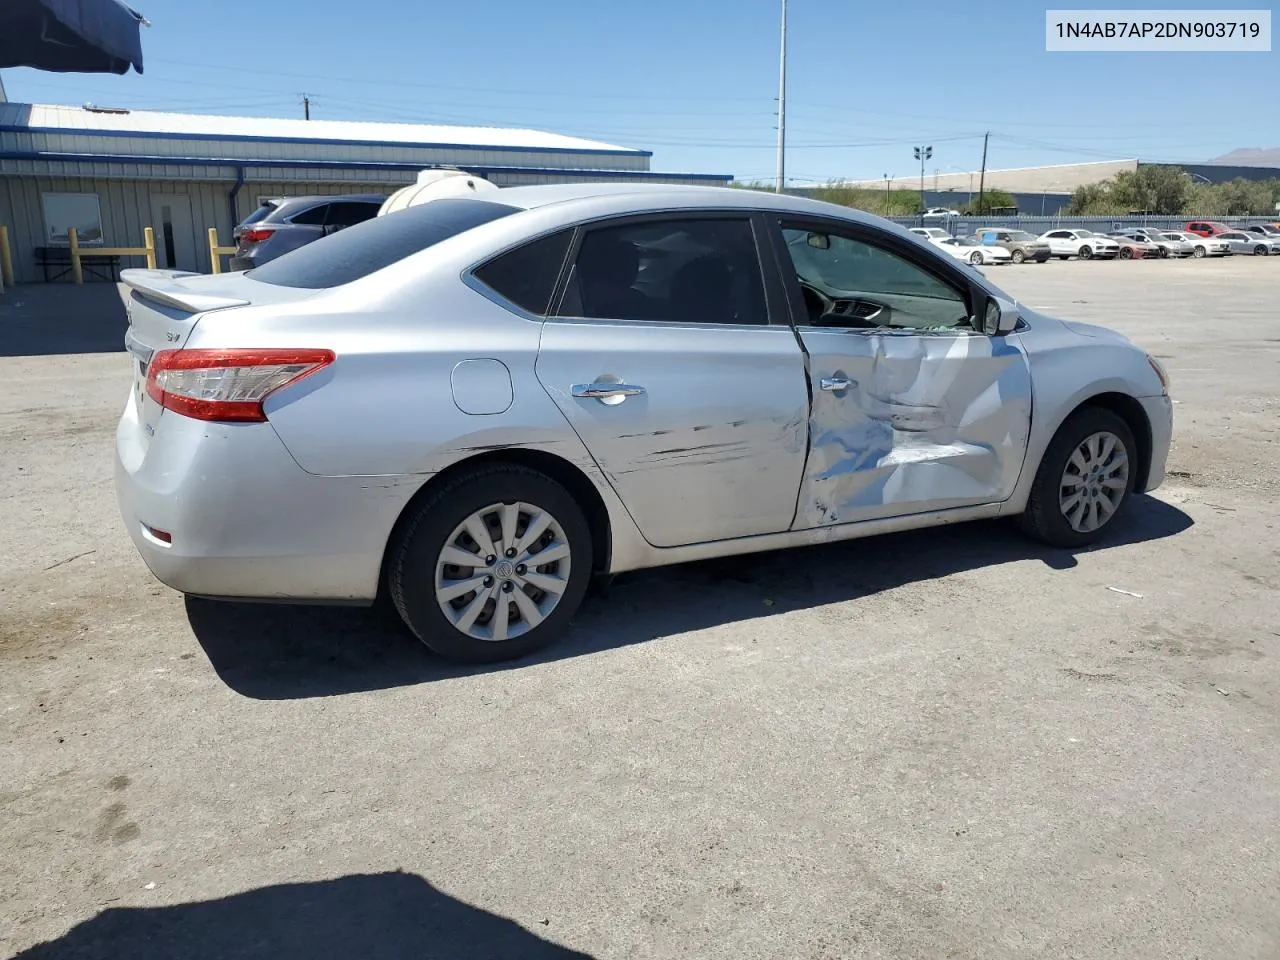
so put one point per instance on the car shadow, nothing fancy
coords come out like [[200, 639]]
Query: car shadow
[[278, 651], [49, 319], [391, 916]]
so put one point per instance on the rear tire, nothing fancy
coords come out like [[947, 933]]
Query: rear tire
[[1125, 253], [1067, 470], [422, 582]]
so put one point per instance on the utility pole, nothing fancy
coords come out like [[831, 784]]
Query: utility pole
[[922, 154], [886, 194], [782, 105], [306, 107], [982, 177]]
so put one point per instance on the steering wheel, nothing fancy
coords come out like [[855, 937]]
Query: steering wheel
[[825, 311], [817, 302]]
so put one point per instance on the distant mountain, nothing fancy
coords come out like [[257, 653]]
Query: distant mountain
[[1251, 157]]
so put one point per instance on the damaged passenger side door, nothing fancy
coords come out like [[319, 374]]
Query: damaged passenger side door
[[914, 408]]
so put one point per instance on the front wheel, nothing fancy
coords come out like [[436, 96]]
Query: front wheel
[[1018, 256], [1084, 478], [1260, 251], [1200, 253], [975, 258], [492, 565], [1086, 253]]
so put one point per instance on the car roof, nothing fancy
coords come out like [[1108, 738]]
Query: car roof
[[283, 203], [658, 196]]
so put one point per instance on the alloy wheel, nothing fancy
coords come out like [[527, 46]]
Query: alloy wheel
[[502, 571], [1094, 482]]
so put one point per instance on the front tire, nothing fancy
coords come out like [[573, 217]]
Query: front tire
[[1018, 256], [1083, 480], [1260, 250], [1200, 253], [491, 566], [1086, 253], [976, 258]]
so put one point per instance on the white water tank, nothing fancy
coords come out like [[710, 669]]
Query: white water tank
[[434, 184]]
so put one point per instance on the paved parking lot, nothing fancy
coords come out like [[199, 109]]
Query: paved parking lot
[[949, 743]]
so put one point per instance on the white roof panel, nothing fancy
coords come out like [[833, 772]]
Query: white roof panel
[[147, 122]]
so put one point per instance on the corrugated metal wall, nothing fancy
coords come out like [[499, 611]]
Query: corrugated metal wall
[[127, 209], [126, 206]]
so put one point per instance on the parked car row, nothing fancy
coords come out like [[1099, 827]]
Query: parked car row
[[998, 245]]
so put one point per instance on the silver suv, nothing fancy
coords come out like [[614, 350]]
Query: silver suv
[[284, 224], [1020, 244]]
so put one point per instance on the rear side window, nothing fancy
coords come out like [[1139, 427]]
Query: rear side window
[[313, 217], [677, 270], [348, 213], [527, 275], [358, 251]]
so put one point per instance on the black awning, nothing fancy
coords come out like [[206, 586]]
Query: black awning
[[70, 36]]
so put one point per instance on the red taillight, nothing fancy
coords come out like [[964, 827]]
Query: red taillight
[[227, 386], [255, 235]]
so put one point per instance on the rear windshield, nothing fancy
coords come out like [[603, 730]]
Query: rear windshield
[[258, 214], [356, 252]]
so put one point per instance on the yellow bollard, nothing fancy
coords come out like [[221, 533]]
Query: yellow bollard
[[149, 243], [215, 262], [74, 243], [6, 258]]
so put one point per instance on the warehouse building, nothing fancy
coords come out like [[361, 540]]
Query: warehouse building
[[1047, 190], [112, 172]]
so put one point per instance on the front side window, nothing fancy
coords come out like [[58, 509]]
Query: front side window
[[847, 281], [65, 211], [676, 270]]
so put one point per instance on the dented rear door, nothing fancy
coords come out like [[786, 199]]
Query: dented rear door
[[913, 410]]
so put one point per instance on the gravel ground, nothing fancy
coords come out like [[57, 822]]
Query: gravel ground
[[941, 744]]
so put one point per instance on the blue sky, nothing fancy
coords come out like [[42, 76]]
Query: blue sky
[[695, 81]]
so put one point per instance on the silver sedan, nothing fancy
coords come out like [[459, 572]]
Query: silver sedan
[[473, 406], [1242, 242]]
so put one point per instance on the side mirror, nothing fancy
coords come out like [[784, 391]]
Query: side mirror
[[1000, 317]]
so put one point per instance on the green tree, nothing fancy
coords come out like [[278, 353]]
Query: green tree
[[991, 199]]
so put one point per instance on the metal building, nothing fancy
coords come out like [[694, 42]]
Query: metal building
[[109, 173]]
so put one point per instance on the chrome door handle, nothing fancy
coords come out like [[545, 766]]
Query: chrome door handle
[[606, 391], [836, 384]]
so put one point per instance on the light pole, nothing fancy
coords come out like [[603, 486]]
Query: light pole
[[922, 154], [886, 194], [782, 104]]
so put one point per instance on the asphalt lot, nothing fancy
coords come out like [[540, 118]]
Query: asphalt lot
[[942, 744]]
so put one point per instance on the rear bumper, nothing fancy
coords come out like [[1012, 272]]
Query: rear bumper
[[245, 520], [1159, 412]]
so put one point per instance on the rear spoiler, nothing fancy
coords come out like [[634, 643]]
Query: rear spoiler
[[167, 287]]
